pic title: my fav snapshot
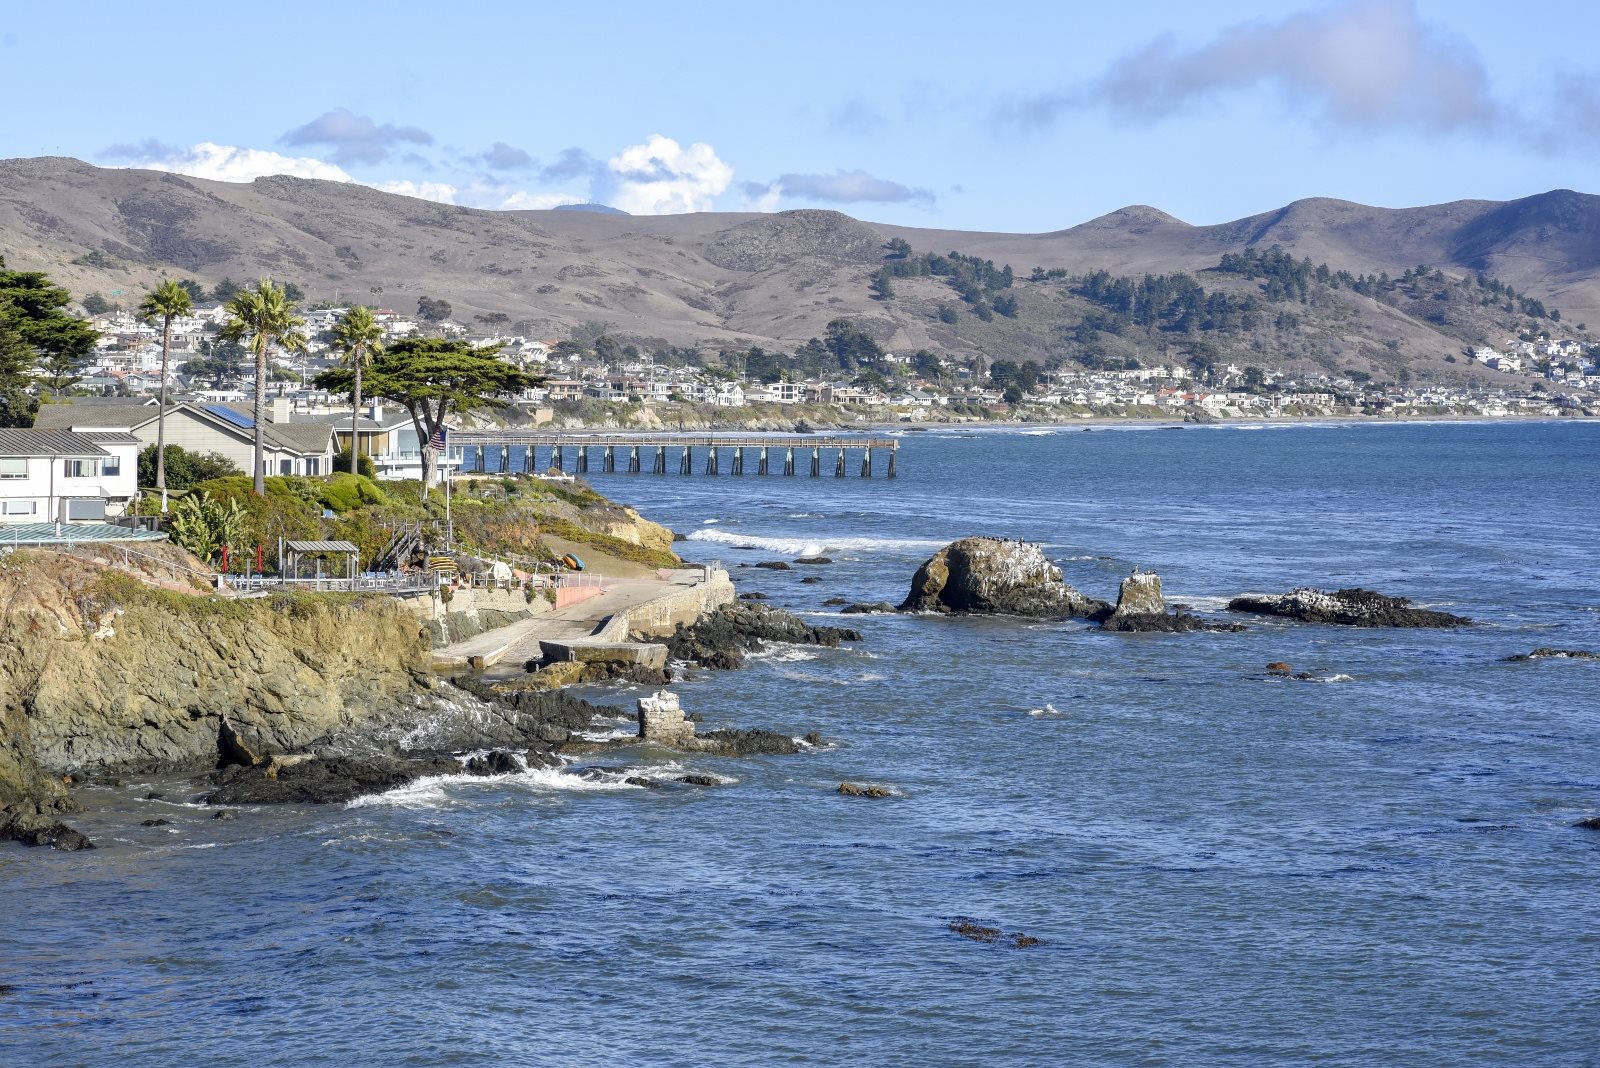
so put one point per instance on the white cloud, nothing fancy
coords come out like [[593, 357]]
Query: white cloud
[[758, 197], [657, 177], [661, 177], [522, 200], [440, 192], [1366, 64], [229, 163]]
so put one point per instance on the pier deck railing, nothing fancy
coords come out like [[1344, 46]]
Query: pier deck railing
[[505, 451]]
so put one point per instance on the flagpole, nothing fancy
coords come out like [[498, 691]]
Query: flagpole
[[444, 467]]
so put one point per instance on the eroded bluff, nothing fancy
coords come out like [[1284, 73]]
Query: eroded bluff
[[995, 576], [100, 674]]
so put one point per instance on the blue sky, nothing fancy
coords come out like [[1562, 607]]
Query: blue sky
[[1022, 116]]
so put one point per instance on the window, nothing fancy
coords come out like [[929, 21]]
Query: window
[[312, 463], [83, 468], [13, 467], [79, 511], [285, 467], [21, 507], [111, 466]]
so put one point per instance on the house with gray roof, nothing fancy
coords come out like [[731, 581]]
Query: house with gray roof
[[225, 429], [63, 476]]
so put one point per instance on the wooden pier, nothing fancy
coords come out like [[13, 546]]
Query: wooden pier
[[505, 451]]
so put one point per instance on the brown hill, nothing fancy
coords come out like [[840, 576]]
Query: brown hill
[[729, 279]]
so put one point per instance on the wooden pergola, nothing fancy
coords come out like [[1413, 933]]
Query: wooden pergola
[[297, 551]]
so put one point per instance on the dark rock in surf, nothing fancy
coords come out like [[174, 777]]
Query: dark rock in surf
[[1348, 608], [775, 565], [754, 742], [1546, 653], [721, 638], [868, 608], [33, 822], [992, 576], [495, 762], [978, 932], [322, 780]]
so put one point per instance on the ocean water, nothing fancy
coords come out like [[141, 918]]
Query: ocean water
[[1222, 867]]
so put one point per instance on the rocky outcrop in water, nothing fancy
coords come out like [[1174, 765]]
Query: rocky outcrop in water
[[722, 639], [993, 576], [329, 780], [37, 822], [856, 789], [1141, 608], [1546, 653], [1348, 608], [732, 741]]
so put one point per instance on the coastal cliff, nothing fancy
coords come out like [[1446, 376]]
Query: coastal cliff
[[101, 674]]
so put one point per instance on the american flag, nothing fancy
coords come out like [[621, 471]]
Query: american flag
[[436, 443]]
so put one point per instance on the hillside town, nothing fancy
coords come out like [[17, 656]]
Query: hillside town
[[1537, 377]]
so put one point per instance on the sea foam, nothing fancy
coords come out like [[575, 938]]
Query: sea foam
[[811, 546]]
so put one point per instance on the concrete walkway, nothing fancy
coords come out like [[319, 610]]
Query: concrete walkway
[[511, 646]]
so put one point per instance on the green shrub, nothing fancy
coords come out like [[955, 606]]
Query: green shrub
[[347, 492]]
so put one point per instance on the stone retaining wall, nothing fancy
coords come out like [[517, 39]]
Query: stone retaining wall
[[663, 614]]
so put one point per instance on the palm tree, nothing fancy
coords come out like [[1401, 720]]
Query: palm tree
[[359, 339], [165, 302], [261, 318]]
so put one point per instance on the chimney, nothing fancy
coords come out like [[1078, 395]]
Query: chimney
[[375, 412], [278, 410]]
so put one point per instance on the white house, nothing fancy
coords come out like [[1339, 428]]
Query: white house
[[51, 476]]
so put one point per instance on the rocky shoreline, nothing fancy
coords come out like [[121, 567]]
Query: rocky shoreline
[[290, 699]]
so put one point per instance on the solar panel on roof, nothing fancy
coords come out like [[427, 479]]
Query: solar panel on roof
[[238, 419]]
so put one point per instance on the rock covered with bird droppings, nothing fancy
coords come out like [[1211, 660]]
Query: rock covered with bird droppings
[[995, 576]]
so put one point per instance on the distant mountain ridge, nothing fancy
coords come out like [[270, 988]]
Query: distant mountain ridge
[[722, 279]]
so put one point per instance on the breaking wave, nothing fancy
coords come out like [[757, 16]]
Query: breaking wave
[[431, 791], [813, 546]]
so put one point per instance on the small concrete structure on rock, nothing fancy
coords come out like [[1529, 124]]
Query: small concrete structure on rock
[[661, 720]]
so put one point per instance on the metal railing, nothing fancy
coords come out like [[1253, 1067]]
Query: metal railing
[[406, 583], [174, 569]]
